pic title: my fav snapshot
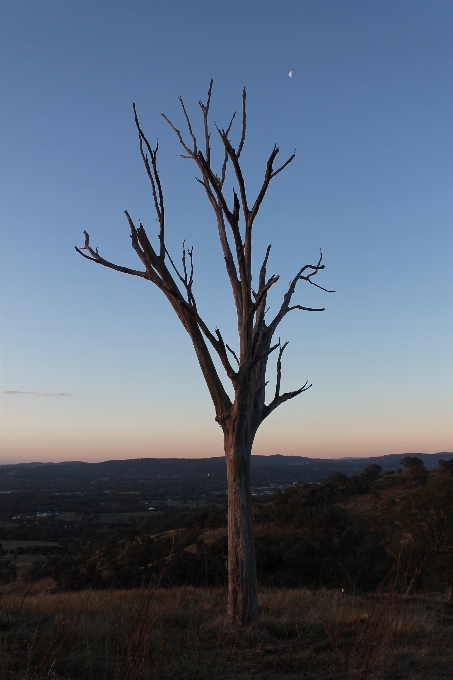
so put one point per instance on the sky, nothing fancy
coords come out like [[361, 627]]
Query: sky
[[94, 363]]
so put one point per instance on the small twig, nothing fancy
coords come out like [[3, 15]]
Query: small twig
[[241, 143], [225, 158], [189, 125]]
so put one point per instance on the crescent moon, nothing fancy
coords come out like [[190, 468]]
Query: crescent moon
[[290, 74]]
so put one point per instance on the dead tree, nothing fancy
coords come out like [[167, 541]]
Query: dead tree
[[240, 418]]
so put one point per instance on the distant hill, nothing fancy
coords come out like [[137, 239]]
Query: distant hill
[[210, 472]]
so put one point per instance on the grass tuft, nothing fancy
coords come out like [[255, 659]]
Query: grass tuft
[[179, 633]]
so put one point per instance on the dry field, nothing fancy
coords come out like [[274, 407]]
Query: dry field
[[179, 634], [24, 561]]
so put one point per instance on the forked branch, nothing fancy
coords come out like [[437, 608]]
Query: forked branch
[[187, 279], [269, 174], [312, 270], [286, 396], [262, 293], [95, 257]]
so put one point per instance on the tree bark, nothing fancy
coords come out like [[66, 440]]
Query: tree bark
[[242, 585]]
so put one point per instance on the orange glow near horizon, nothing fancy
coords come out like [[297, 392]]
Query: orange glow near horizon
[[89, 429], [106, 448]]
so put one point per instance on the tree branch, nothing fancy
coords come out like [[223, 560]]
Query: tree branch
[[187, 312], [262, 277], [169, 287], [154, 266], [262, 293], [238, 172], [154, 178], [187, 281], [285, 306], [95, 257], [205, 110], [279, 369], [225, 158], [195, 150], [282, 167], [241, 143], [233, 353], [179, 136], [282, 398], [307, 309], [232, 220], [269, 174], [261, 309], [218, 206]]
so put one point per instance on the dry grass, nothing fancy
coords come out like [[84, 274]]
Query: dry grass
[[179, 633]]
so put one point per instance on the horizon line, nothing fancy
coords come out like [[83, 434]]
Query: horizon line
[[271, 455]]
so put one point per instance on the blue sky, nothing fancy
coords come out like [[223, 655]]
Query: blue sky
[[94, 365]]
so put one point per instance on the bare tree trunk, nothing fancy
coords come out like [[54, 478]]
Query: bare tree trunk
[[242, 586]]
